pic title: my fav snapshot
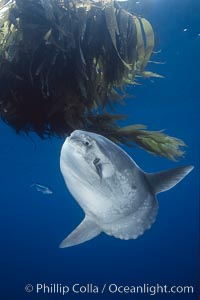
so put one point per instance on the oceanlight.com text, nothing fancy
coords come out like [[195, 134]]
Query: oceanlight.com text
[[111, 288]]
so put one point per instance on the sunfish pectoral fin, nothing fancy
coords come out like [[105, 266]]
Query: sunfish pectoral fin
[[86, 231], [164, 181], [98, 166]]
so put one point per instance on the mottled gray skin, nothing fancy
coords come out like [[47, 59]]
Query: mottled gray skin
[[118, 198]]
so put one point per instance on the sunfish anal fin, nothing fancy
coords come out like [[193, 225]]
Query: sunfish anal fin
[[85, 231]]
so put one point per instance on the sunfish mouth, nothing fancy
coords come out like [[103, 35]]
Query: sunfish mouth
[[74, 143], [81, 139]]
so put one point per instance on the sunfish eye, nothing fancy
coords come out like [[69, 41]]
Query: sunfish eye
[[87, 143]]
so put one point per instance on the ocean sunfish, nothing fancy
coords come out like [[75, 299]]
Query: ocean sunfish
[[118, 197]]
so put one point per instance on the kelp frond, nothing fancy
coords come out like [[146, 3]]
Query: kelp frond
[[62, 62], [155, 142]]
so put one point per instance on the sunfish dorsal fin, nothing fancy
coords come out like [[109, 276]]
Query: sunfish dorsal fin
[[86, 231], [164, 181]]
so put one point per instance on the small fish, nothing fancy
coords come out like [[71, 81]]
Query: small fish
[[42, 188], [117, 196]]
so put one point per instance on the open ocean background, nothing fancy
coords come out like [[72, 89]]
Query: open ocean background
[[33, 224]]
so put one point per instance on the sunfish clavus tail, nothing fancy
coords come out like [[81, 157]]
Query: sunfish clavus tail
[[118, 197]]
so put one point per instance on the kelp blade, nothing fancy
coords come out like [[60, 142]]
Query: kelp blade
[[155, 142], [62, 63]]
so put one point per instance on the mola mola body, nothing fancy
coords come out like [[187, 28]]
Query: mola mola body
[[118, 197]]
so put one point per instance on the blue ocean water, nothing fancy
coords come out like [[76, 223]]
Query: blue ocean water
[[33, 224]]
